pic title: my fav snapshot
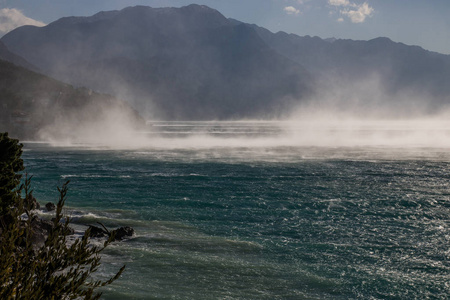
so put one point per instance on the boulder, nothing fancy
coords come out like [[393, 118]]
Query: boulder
[[97, 232], [122, 232], [50, 206], [40, 231], [119, 233]]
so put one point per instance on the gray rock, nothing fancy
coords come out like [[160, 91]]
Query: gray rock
[[40, 229], [50, 206], [97, 232], [119, 233], [122, 232]]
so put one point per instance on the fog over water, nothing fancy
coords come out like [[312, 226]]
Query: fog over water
[[309, 129], [276, 141], [340, 114]]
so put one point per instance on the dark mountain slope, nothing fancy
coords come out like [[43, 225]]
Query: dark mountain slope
[[7, 55], [34, 106]]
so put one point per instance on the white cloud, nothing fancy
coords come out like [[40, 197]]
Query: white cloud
[[290, 10], [11, 18], [359, 13], [339, 2]]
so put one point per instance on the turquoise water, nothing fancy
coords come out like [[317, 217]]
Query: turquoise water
[[231, 211]]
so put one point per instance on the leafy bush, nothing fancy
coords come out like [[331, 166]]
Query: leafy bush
[[56, 269], [10, 166]]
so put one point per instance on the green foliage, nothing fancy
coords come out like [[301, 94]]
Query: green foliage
[[10, 166], [58, 268]]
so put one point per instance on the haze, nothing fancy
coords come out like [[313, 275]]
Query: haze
[[195, 64]]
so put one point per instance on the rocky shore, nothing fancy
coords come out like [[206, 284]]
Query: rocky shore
[[42, 228]]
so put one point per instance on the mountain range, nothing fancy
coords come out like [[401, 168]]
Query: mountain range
[[174, 63], [192, 63]]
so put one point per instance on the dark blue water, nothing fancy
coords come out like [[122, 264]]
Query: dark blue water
[[261, 222]]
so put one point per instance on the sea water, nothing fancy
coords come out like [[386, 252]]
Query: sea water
[[244, 210]]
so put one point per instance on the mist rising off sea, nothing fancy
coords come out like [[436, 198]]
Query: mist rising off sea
[[235, 211]]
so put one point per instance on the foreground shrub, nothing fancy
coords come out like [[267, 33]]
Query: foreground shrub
[[55, 268]]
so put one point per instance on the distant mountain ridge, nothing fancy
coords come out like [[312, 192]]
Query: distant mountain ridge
[[347, 57], [193, 63]]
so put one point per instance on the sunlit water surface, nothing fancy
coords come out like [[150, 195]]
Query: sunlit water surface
[[263, 210]]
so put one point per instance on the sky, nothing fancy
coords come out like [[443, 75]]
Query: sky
[[424, 23]]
